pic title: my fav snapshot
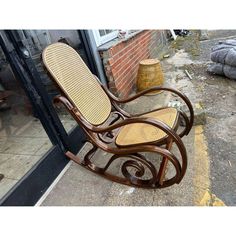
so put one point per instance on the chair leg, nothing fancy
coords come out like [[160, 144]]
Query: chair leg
[[73, 157], [86, 159], [163, 167]]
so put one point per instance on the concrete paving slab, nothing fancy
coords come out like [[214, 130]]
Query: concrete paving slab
[[32, 130], [46, 145], [176, 195], [211, 174], [21, 145], [12, 123], [80, 187], [69, 125], [23, 141], [4, 157], [5, 185], [67, 121], [17, 165]]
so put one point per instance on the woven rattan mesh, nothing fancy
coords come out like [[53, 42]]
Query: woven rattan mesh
[[137, 133], [76, 80]]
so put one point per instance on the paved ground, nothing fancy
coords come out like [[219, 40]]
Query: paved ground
[[23, 141], [210, 178], [219, 99]]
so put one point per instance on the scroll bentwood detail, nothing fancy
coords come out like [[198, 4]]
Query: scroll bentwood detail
[[125, 137]]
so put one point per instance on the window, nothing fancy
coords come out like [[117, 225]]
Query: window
[[103, 36]]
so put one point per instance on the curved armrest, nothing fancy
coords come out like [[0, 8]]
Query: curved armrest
[[64, 101], [147, 120], [156, 123], [153, 89]]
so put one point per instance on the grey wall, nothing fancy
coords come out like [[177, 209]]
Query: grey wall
[[73, 36]]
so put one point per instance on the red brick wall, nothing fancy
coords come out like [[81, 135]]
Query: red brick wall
[[122, 60]]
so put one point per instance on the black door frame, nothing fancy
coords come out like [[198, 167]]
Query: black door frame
[[36, 181]]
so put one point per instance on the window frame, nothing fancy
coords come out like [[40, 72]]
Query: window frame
[[105, 38]]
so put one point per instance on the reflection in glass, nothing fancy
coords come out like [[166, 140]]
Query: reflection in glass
[[23, 140]]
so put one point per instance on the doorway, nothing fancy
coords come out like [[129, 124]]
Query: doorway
[[34, 135]]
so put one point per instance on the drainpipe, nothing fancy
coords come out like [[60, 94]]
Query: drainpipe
[[96, 56]]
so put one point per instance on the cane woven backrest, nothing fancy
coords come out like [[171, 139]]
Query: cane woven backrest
[[77, 82]]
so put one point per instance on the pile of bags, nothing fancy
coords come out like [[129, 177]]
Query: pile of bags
[[224, 56]]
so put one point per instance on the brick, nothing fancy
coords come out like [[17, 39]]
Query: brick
[[120, 52], [125, 83], [130, 84], [126, 94], [143, 55], [118, 48], [146, 37], [122, 61], [136, 48], [117, 61], [113, 88], [144, 43], [127, 91], [127, 52], [123, 89], [129, 42], [124, 52], [124, 72], [144, 33], [149, 37], [125, 65]]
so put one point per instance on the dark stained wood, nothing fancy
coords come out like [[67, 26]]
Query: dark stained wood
[[133, 169]]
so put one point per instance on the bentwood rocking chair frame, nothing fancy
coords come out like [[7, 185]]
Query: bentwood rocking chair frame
[[90, 103]]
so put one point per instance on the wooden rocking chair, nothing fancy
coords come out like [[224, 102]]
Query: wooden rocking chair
[[126, 137]]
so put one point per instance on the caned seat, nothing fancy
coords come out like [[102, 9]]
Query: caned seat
[[91, 103], [132, 134]]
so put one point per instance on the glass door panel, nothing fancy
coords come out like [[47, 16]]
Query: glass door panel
[[36, 41], [23, 140]]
